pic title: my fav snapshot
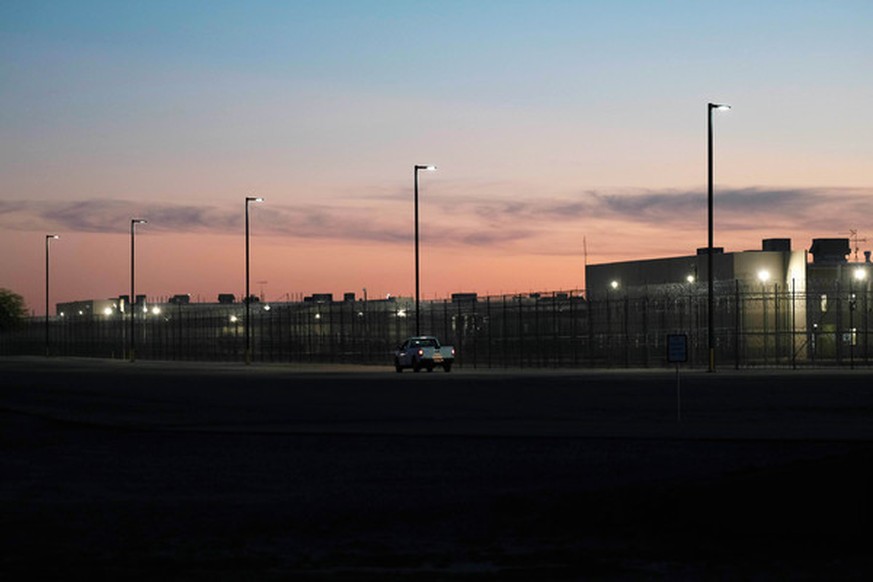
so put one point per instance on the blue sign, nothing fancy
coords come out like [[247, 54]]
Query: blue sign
[[677, 348]]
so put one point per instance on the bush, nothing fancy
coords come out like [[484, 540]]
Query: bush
[[12, 310]]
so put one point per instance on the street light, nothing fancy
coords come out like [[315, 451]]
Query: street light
[[417, 284], [48, 237], [710, 295], [248, 354], [133, 223]]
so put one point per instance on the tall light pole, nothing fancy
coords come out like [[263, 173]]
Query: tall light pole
[[417, 279], [248, 354], [48, 238], [710, 107], [133, 223]]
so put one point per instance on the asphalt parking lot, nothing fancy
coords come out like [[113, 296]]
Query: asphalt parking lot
[[196, 471]]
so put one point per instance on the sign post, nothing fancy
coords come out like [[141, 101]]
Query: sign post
[[677, 353]]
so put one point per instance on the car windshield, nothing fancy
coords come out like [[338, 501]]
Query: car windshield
[[424, 343]]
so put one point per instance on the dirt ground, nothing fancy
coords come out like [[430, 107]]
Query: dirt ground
[[194, 472]]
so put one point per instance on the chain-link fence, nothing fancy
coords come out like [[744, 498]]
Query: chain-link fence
[[764, 326]]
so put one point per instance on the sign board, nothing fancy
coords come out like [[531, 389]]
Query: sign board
[[677, 348]]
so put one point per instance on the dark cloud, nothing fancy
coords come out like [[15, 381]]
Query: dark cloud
[[458, 218], [106, 216], [745, 208], [491, 237], [112, 216]]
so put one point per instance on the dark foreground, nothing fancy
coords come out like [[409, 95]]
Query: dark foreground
[[159, 471]]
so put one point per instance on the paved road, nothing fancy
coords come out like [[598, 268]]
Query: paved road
[[194, 471], [342, 399]]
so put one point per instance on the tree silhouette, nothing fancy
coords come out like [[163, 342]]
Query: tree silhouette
[[12, 309]]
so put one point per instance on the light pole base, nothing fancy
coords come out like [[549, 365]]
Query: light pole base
[[248, 358], [711, 360]]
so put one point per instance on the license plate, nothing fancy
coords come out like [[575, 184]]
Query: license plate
[[437, 357]]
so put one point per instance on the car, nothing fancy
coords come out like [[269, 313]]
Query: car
[[423, 352]]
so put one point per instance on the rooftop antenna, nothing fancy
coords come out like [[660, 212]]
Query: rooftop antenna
[[855, 240]]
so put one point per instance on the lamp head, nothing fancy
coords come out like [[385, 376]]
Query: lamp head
[[860, 274], [763, 275], [719, 106], [254, 199], [426, 168], [52, 236], [139, 221]]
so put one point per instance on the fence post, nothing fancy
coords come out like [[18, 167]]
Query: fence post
[[503, 329], [556, 332], [573, 331], [646, 328], [608, 331], [520, 333], [838, 339], [488, 319], [539, 352], [626, 331], [737, 315], [866, 320], [458, 349], [590, 307], [776, 342]]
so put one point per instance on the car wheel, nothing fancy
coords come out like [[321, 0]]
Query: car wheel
[[447, 367], [397, 366], [430, 368]]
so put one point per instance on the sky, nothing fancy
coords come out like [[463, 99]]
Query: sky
[[558, 127]]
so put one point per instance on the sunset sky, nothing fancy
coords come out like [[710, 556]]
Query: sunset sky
[[550, 122]]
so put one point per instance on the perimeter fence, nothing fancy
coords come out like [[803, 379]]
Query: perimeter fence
[[765, 326]]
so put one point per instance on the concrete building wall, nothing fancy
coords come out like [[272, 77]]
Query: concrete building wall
[[782, 267], [600, 278]]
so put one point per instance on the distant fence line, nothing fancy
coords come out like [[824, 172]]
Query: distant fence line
[[753, 327]]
